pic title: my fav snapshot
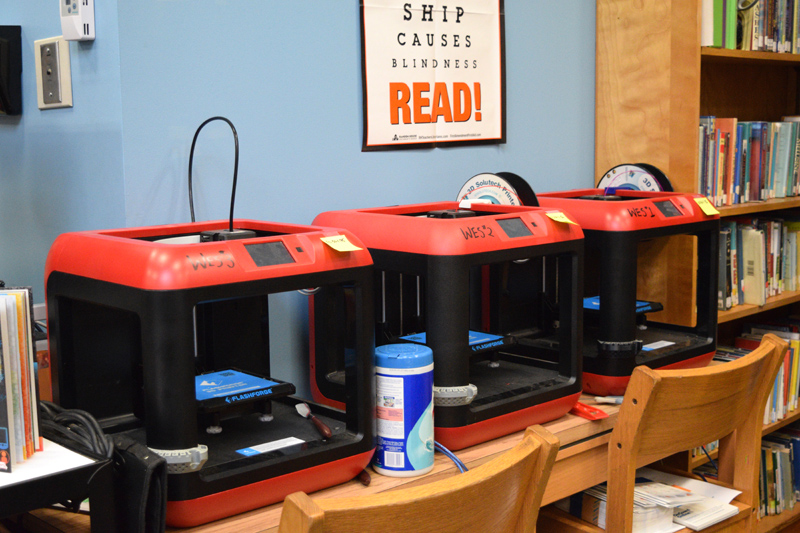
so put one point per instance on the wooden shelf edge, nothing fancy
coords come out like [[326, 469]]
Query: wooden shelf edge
[[741, 311], [774, 204], [694, 462], [793, 416], [775, 523], [744, 56], [700, 460]]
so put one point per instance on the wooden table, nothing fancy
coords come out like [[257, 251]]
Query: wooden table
[[581, 463]]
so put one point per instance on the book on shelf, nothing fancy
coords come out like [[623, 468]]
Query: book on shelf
[[727, 128], [733, 259], [791, 433], [753, 260], [755, 156], [779, 481], [784, 399], [724, 290], [19, 424], [762, 261], [707, 23], [749, 23], [780, 448], [748, 161], [718, 23], [782, 166], [766, 26], [707, 165], [6, 408], [796, 161], [12, 369]]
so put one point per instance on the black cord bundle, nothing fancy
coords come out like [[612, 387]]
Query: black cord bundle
[[76, 426], [235, 165]]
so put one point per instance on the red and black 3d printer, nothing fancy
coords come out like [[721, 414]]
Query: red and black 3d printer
[[166, 336], [626, 232], [494, 291]]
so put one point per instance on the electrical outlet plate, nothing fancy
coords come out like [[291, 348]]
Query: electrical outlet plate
[[53, 74], [77, 20]]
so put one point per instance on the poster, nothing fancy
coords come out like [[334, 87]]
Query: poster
[[433, 73]]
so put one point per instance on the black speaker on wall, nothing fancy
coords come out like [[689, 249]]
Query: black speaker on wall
[[10, 70]]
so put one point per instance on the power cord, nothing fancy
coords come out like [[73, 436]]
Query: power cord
[[459, 464], [710, 460], [235, 166], [76, 426]]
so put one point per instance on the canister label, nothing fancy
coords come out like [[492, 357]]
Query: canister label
[[404, 419]]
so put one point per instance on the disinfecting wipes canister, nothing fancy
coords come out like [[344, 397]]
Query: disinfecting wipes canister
[[404, 383]]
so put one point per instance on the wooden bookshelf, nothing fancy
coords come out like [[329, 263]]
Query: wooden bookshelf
[[793, 416], [685, 461], [654, 81], [779, 523], [749, 208], [746, 56], [744, 310], [699, 460]]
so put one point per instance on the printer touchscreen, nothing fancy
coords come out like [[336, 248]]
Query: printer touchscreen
[[269, 253]]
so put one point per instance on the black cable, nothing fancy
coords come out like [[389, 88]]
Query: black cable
[[235, 166], [75, 425]]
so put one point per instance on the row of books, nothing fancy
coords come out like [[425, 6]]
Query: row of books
[[758, 258], [780, 472], [19, 424], [766, 25], [705, 451], [784, 400], [748, 161], [779, 479]]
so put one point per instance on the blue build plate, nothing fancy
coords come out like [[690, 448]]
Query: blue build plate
[[593, 304], [232, 386], [478, 341], [475, 337]]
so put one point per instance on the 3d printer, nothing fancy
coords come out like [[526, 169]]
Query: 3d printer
[[641, 244], [494, 291], [169, 340]]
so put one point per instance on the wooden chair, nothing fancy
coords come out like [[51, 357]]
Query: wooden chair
[[669, 411], [501, 495]]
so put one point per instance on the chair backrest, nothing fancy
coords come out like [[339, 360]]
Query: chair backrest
[[668, 411], [503, 494]]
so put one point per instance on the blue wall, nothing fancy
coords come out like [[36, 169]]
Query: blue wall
[[61, 169], [288, 74]]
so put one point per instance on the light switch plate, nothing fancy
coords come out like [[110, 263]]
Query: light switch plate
[[53, 74]]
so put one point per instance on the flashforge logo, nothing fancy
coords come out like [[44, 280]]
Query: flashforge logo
[[248, 396]]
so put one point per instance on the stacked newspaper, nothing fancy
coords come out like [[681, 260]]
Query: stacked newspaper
[[648, 517], [663, 503], [711, 502]]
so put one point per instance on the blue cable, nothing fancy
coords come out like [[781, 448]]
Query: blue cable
[[459, 464], [710, 460]]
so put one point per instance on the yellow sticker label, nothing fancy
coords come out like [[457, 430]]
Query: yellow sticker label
[[340, 243], [558, 216], [706, 206]]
